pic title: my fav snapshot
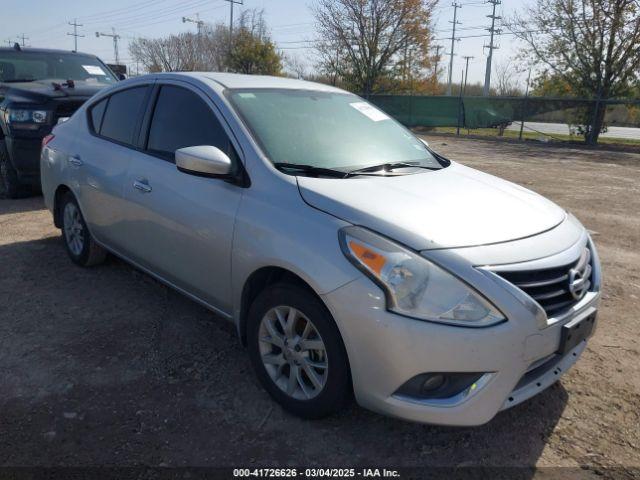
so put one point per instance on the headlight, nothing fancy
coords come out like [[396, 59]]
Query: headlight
[[17, 116], [414, 286]]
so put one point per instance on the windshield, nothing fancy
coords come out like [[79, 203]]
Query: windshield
[[328, 130], [30, 66]]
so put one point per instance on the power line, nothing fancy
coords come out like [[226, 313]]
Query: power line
[[492, 30], [75, 33], [455, 22]]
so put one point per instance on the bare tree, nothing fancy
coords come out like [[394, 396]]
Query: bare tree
[[506, 76], [173, 53], [208, 50], [294, 66], [364, 41], [594, 45]]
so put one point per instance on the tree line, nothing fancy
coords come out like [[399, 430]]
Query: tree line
[[581, 48]]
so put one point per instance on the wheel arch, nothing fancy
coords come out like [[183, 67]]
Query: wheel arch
[[260, 279], [59, 194]]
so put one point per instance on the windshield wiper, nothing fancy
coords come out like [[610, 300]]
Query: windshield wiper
[[328, 172], [387, 167], [18, 80]]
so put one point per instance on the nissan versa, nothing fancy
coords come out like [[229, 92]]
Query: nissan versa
[[353, 259]]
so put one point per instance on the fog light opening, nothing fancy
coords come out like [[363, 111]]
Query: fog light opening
[[439, 385]]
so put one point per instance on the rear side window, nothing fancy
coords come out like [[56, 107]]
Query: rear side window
[[121, 115], [182, 119], [97, 112]]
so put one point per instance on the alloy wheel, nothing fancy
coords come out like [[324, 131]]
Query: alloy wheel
[[293, 352]]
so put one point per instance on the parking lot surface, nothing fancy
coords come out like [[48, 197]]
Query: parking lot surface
[[106, 366]]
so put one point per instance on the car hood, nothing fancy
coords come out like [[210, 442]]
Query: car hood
[[453, 207], [40, 91]]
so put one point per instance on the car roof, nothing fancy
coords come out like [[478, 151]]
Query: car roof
[[237, 81], [41, 50]]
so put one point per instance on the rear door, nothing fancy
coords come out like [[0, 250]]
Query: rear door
[[102, 159], [180, 226]]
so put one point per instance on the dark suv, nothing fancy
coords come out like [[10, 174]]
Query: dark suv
[[38, 89]]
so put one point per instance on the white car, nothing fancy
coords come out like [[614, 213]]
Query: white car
[[352, 258]]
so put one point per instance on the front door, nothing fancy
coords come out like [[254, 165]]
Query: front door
[[180, 226]]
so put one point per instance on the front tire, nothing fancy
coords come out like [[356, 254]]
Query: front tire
[[297, 352], [79, 243], [10, 186]]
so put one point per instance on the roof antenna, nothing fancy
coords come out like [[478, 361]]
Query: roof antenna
[[16, 46]]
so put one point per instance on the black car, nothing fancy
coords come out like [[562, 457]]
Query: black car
[[38, 89]]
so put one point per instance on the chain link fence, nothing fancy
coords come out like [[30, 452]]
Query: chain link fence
[[525, 118]]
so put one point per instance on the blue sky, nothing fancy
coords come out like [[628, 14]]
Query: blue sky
[[291, 23]]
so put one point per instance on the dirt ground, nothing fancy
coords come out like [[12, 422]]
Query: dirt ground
[[105, 366]]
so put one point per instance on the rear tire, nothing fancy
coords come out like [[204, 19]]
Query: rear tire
[[10, 186], [297, 352], [79, 243]]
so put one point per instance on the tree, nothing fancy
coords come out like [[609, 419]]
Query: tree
[[593, 45], [170, 54], [253, 51], [507, 80], [370, 42]]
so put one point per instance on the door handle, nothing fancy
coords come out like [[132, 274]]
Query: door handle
[[75, 160], [142, 185]]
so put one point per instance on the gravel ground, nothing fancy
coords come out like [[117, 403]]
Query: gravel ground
[[105, 366]]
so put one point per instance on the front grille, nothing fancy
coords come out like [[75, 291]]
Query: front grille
[[555, 289], [66, 108]]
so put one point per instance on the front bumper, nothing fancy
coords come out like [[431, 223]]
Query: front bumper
[[385, 350]]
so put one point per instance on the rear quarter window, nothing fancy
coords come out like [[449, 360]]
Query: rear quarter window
[[96, 114], [122, 114]]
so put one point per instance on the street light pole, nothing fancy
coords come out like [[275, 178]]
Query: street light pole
[[115, 37]]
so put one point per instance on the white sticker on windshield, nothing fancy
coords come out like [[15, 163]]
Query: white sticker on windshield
[[247, 95], [370, 111], [94, 70]]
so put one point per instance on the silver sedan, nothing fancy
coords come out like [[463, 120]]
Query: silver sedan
[[353, 259]]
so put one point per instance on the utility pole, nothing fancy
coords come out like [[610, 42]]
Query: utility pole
[[524, 106], [8, 41], [75, 33], [436, 62], [115, 37], [23, 39], [231, 3], [455, 22], [493, 30], [199, 23], [466, 71]]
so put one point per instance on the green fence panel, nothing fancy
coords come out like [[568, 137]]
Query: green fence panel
[[490, 112], [424, 111]]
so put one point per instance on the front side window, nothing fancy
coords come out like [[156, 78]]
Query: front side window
[[182, 119], [328, 130], [121, 116]]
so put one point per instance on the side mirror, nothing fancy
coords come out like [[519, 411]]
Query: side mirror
[[203, 160], [122, 76]]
